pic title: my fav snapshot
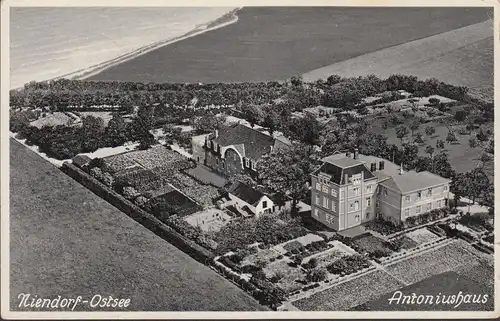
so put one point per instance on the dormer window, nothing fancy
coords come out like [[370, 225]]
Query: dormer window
[[253, 165], [247, 162]]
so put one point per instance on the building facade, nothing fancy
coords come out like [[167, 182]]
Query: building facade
[[234, 149], [351, 189]]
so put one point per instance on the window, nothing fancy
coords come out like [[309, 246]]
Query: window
[[368, 202], [439, 204], [355, 191], [235, 157], [419, 195], [217, 161], [384, 191], [356, 205], [367, 215], [429, 207], [429, 192], [316, 212], [407, 212], [247, 162], [325, 188], [318, 186], [418, 209], [216, 146], [377, 204], [356, 218], [330, 219], [407, 198], [356, 179], [334, 192], [445, 188], [368, 188], [334, 206], [325, 202], [253, 165], [264, 204], [317, 199]]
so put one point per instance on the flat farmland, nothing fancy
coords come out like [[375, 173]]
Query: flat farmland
[[462, 57], [275, 43], [67, 241]]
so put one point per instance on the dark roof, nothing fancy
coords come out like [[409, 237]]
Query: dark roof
[[338, 173], [246, 193], [255, 144], [81, 160]]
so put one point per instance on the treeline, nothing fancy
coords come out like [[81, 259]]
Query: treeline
[[337, 92]]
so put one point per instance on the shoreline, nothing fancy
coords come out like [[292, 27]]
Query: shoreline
[[84, 73]]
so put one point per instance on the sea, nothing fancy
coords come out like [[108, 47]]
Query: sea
[[49, 42]]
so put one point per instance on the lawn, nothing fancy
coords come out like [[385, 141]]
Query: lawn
[[371, 244], [67, 241], [462, 57], [349, 294], [436, 261], [270, 43], [211, 220], [421, 236], [52, 119], [444, 284], [462, 157], [206, 176]]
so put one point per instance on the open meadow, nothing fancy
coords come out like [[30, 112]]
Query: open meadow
[[461, 57], [275, 43], [67, 241]]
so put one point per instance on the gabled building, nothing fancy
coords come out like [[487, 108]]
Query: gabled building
[[351, 189], [234, 149], [248, 199]]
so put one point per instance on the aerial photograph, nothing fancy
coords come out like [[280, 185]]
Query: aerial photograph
[[310, 158]]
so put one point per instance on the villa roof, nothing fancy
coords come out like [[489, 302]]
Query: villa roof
[[409, 181], [254, 144], [338, 166], [246, 193]]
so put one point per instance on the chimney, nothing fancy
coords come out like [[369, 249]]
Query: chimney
[[346, 178], [381, 165], [271, 148], [216, 133], [401, 171], [356, 153], [373, 167]]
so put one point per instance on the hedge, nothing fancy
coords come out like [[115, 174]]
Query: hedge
[[144, 218]]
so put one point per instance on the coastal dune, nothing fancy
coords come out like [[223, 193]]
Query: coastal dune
[[462, 56]]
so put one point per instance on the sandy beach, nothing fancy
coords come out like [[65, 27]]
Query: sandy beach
[[51, 43]]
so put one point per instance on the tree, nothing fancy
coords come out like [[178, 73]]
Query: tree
[[130, 193], [92, 133], [116, 132], [287, 171], [414, 126], [429, 150], [253, 114], [429, 131], [442, 166], [209, 123], [306, 129], [316, 275], [473, 143], [271, 121], [451, 137], [401, 132], [419, 139], [460, 115], [440, 144]]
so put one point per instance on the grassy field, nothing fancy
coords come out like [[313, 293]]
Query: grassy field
[[461, 57], [461, 156], [67, 241], [276, 43]]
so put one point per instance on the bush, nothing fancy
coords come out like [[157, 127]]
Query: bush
[[316, 275], [348, 264]]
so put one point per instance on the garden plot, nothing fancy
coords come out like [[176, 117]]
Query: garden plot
[[203, 194], [289, 275], [372, 244], [55, 119], [119, 163], [421, 236], [436, 261], [265, 255], [211, 220], [327, 257], [346, 295]]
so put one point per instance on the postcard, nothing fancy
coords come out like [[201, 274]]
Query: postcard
[[263, 160]]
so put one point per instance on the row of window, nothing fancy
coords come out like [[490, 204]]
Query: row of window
[[419, 209], [355, 190], [419, 194], [332, 205], [330, 219]]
